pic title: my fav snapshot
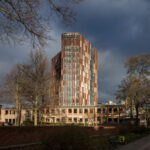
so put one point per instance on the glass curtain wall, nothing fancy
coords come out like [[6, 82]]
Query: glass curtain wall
[[70, 62]]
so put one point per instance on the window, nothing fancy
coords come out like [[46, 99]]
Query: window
[[74, 36], [80, 111], [104, 120], [13, 121], [47, 111], [42, 111], [27, 115], [70, 119], [57, 120], [115, 120], [110, 110], [63, 119], [91, 111], [86, 119], [47, 120], [6, 112], [85, 111], [109, 119], [52, 120], [121, 110], [75, 111], [98, 119], [70, 110], [63, 110], [52, 111], [75, 120], [98, 110], [103, 110], [115, 110], [80, 120], [57, 111]]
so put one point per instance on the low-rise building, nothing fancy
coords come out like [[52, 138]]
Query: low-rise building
[[91, 115]]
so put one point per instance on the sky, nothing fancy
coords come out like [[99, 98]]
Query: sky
[[118, 29]]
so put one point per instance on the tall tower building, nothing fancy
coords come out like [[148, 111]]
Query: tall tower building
[[74, 72]]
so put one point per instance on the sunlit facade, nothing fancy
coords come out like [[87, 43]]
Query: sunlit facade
[[76, 72]]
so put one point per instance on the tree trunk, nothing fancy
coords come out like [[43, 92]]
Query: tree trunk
[[119, 116], [18, 111], [17, 106], [132, 109], [19, 116], [147, 116], [35, 111], [137, 114]]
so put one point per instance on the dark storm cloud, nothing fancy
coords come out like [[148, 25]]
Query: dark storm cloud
[[117, 28], [111, 72], [115, 24], [9, 56], [119, 25]]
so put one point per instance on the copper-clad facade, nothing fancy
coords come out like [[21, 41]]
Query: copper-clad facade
[[77, 83]]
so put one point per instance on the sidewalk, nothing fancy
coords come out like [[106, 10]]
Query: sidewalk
[[141, 144]]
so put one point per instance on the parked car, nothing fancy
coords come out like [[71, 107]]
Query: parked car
[[7, 124]]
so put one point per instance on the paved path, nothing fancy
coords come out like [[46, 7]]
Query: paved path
[[141, 144]]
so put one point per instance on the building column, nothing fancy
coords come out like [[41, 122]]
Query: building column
[[95, 115], [101, 116], [118, 116], [72, 115], [112, 111], [66, 114], [77, 115], [107, 114]]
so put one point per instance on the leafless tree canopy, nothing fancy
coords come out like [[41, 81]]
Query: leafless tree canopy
[[138, 65], [30, 19], [134, 88], [37, 81], [37, 76], [12, 89], [12, 84], [28, 84]]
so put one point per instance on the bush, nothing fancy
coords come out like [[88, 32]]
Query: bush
[[28, 123], [65, 139], [78, 124], [131, 129], [123, 130], [138, 130], [100, 143], [73, 138]]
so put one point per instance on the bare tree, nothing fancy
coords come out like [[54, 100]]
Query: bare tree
[[30, 19], [12, 89], [134, 87], [37, 81], [138, 66]]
